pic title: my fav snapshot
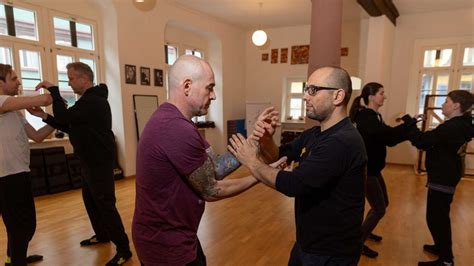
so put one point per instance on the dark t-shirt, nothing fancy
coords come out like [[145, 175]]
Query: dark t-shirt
[[329, 189], [167, 210]]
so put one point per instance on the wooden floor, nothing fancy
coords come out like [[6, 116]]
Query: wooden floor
[[257, 227]]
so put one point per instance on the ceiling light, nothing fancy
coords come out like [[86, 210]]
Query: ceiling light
[[259, 37]]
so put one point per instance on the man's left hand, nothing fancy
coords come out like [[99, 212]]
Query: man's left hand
[[244, 150]]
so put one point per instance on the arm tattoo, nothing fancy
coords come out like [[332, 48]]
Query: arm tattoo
[[203, 180], [223, 164]]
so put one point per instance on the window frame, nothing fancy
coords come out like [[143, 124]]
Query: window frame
[[76, 19], [39, 18], [286, 101], [47, 47]]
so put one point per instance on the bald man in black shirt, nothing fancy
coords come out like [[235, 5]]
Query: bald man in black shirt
[[328, 184]]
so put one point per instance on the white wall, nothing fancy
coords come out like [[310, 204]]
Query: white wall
[[404, 83], [143, 45]]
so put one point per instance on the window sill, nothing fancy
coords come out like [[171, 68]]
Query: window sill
[[294, 122], [50, 140]]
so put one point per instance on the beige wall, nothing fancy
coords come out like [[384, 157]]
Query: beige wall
[[132, 36]]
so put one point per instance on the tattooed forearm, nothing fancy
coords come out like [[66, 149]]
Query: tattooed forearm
[[223, 164], [203, 180]]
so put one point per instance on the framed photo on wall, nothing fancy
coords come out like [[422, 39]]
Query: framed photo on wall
[[130, 74], [274, 58], [265, 57], [284, 55], [145, 76], [299, 54], [158, 73]]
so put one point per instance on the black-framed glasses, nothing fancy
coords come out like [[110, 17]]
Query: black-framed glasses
[[312, 89]]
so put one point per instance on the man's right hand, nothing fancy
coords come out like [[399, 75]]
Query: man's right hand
[[266, 124], [44, 85]]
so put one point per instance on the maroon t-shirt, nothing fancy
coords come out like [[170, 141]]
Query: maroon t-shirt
[[167, 210]]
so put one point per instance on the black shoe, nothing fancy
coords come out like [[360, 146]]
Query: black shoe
[[366, 251], [374, 237], [437, 262], [119, 259], [433, 249], [93, 241], [29, 259]]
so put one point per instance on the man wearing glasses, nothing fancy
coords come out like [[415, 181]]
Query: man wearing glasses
[[328, 183]]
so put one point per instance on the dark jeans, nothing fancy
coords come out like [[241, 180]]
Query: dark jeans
[[300, 258], [376, 193], [19, 215], [98, 193], [439, 223]]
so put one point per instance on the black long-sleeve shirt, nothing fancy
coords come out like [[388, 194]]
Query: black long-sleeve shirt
[[377, 136], [329, 188], [88, 123], [442, 146]]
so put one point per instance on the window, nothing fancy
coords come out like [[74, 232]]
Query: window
[[171, 54], [294, 102], [73, 34], [6, 55], [71, 40], [444, 69], [18, 22], [194, 52]]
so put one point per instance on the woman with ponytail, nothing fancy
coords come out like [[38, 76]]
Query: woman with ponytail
[[377, 136]]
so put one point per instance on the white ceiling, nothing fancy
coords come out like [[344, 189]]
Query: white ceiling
[[280, 13]]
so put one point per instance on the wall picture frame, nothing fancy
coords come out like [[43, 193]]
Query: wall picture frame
[[130, 74], [158, 74], [299, 54], [284, 55], [274, 56], [265, 57], [145, 75]]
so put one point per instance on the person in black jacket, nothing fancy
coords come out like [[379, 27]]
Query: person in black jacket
[[377, 136], [444, 146], [328, 184], [89, 125]]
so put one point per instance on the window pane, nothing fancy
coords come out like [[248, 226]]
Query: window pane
[[91, 63], [70, 98], [468, 59], [84, 36], [3, 21], [25, 24], [62, 32], [188, 51], [426, 85], [466, 81], [5, 55], [172, 54], [61, 62], [198, 54], [297, 87], [295, 103], [441, 88], [438, 58], [295, 114], [30, 69]]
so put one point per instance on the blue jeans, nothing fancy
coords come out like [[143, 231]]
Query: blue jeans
[[300, 258]]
